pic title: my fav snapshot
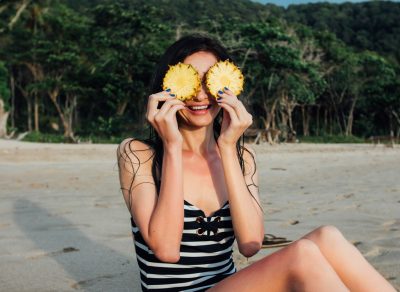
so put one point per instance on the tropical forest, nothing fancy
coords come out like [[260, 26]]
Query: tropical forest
[[79, 71]]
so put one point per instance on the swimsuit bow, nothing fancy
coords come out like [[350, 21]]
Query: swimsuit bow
[[207, 225]]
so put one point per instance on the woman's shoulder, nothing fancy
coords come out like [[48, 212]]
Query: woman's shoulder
[[135, 150], [136, 144]]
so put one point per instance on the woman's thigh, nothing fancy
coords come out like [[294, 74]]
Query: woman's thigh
[[269, 273], [294, 267]]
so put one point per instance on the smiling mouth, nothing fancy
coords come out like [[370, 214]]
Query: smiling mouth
[[199, 107]]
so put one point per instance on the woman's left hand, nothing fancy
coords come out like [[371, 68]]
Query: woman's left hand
[[235, 119]]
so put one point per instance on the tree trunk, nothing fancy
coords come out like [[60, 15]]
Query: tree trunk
[[29, 105], [3, 120], [317, 128], [38, 75], [71, 110], [349, 128], [305, 115], [36, 112], [248, 97], [53, 94], [246, 55], [76, 121], [273, 114], [344, 120], [272, 135], [274, 118], [284, 124], [267, 117], [122, 107], [12, 109], [178, 31], [396, 117], [290, 120], [287, 108], [66, 115], [337, 118], [17, 15], [269, 122]]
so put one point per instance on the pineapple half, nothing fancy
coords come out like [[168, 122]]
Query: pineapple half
[[183, 80], [224, 74]]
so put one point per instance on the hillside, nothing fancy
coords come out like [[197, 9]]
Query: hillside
[[366, 26], [371, 25]]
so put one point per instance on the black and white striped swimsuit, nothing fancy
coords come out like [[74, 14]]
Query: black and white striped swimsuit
[[205, 253]]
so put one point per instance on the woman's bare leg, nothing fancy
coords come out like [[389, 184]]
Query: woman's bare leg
[[297, 267], [347, 261]]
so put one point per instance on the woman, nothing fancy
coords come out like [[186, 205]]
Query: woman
[[192, 190]]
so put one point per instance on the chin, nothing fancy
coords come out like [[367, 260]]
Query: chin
[[198, 123]]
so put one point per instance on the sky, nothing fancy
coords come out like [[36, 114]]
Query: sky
[[288, 2]]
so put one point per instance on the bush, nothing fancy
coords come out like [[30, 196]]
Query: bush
[[331, 139], [44, 138]]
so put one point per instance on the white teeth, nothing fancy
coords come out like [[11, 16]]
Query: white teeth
[[199, 107]]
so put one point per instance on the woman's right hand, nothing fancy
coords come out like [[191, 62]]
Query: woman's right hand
[[164, 119]]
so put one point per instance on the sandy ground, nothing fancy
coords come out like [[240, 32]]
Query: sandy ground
[[64, 226]]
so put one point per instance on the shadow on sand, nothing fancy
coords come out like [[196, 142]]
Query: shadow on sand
[[91, 265]]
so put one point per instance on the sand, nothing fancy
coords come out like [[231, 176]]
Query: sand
[[64, 225]]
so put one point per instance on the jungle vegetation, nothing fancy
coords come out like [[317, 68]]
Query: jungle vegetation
[[80, 70]]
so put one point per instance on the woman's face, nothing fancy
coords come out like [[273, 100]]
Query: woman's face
[[203, 108]]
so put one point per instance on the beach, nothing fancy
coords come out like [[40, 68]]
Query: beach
[[64, 225]]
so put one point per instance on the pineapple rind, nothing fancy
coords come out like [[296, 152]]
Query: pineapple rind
[[183, 80], [224, 74]]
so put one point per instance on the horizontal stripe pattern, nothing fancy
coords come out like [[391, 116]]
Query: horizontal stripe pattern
[[205, 253]]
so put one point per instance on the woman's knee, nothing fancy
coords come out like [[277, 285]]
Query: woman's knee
[[310, 269], [328, 235], [294, 257], [305, 257]]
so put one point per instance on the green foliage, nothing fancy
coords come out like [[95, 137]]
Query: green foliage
[[54, 138], [331, 139], [43, 138], [371, 25], [86, 65], [122, 59]]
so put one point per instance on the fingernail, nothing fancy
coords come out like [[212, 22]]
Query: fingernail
[[220, 92], [168, 90], [172, 94], [226, 88], [219, 98]]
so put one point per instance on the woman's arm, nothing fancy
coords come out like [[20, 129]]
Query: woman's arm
[[159, 218], [247, 216]]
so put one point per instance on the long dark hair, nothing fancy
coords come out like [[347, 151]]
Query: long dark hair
[[176, 53]]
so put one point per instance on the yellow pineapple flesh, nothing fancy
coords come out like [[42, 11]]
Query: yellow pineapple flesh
[[183, 80], [224, 74]]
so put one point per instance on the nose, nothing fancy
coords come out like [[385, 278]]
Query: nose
[[202, 94]]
